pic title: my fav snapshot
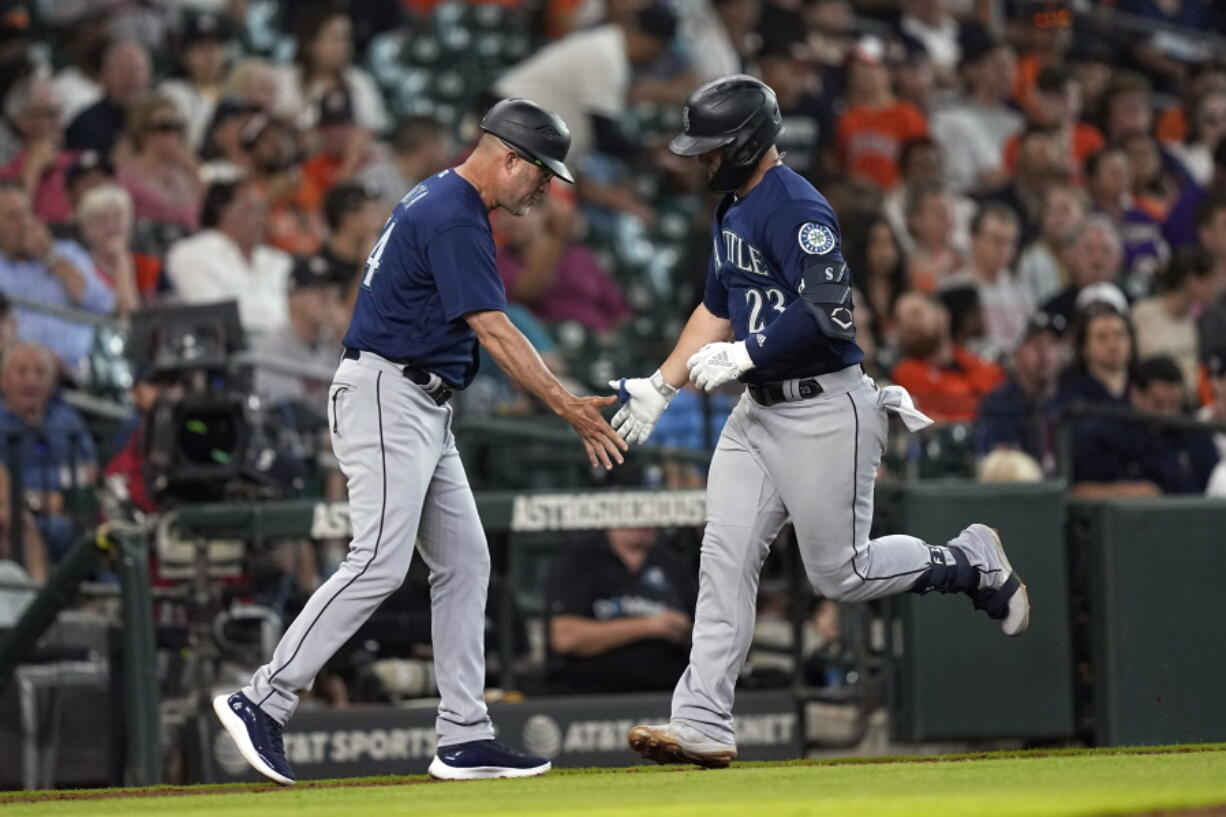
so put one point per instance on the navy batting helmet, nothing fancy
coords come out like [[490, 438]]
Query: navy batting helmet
[[737, 113], [539, 135]]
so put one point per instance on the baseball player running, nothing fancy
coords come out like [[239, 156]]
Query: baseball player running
[[806, 438], [430, 293]]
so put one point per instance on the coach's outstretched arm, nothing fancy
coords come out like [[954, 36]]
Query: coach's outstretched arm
[[517, 357], [646, 398]]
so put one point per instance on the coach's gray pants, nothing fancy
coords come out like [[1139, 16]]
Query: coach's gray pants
[[405, 482], [813, 461]]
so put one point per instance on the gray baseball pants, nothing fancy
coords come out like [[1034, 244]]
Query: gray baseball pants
[[813, 461], [406, 482]]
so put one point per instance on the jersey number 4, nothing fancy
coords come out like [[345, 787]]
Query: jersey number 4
[[758, 298], [376, 253]]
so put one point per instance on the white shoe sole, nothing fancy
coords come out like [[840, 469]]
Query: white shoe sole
[[238, 731], [1017, 619], [441, 771], [664, 748]]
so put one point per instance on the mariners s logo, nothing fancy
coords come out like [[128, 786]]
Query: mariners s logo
[[816, 239]]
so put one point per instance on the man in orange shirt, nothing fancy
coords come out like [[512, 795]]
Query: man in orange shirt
[[946, 381], [1057, 104], [871, 132], [344, 148]]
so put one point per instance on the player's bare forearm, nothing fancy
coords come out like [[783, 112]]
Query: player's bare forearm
[[516, 356], [702, 328]]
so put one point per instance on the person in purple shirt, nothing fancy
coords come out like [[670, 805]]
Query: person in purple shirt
[[56, 273], [1109, 177], [1179, 229]]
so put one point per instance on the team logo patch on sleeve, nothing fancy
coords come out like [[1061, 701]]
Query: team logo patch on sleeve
[[816, 239]]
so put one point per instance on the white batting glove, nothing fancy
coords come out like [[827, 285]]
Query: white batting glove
[[645, 399], [718, 363]]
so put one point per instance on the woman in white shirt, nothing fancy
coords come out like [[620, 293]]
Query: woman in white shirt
[[323, 62]]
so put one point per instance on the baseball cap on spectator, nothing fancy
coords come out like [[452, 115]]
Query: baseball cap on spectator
[[88, 161], [1102, 292], [311, 271], [336, 108], [657, 20], [203, 27], [345, 198]]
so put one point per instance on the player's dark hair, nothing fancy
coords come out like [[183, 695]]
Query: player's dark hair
[[1157, 369]]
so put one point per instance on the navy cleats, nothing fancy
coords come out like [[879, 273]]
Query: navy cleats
[[484, 759], [257, 735]]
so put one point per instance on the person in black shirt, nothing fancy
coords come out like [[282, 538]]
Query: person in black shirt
[[620, 614], [125, 78]]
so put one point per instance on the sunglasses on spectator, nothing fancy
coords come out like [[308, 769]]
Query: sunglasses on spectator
[[166, 127]]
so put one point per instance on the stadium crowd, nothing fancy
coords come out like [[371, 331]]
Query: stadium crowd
[[1032, 198]]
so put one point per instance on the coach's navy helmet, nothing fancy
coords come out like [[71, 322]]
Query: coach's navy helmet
[[737, 113], [537, 134]]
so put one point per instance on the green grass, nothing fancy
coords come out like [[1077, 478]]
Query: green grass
[[1031, 784]]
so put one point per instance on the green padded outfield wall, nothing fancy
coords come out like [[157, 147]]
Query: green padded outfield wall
[[1155, 571], [957, 676]]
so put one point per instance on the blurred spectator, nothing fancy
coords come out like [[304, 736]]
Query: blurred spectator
[[202, 65], [1205, 132], [966, 325], [721, 36], [275, 158], [876, 124], [105, 221], [872, 251], [1043, 266], [1126, 106], [1153, 187], [1211, 231], [33, 107], [1113, 457], [1005, 301], [1094, 257], [620, 611], [89, 170], [1215, 411], [1180, 229], [33, 568], [1145, 251], [1165, 324], [973, 132], [159, 170], [1057, 106], [124, 473], [125, 78], [343, 148], [83, 45], [254, 81], [1012, 415], [419, 148], [555, 276], [946, 381], [36, 267], [808, 117], [308, 337], [1203, 78], [46, 440], [222, 151], [930, 226], [228, 259], [1102, 343], [1041, 162], [586, 77], [931, 25], [355, 217], [1092, 62], [323, 62], [919, 160]]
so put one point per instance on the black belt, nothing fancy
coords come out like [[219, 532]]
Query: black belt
[[768, 394], [434, 386]]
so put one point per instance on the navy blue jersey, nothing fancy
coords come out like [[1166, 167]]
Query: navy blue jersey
[[433, 264], [761, 243]]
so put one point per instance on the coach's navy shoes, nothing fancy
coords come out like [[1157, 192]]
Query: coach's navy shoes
[[257, 735], [482, 759]]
